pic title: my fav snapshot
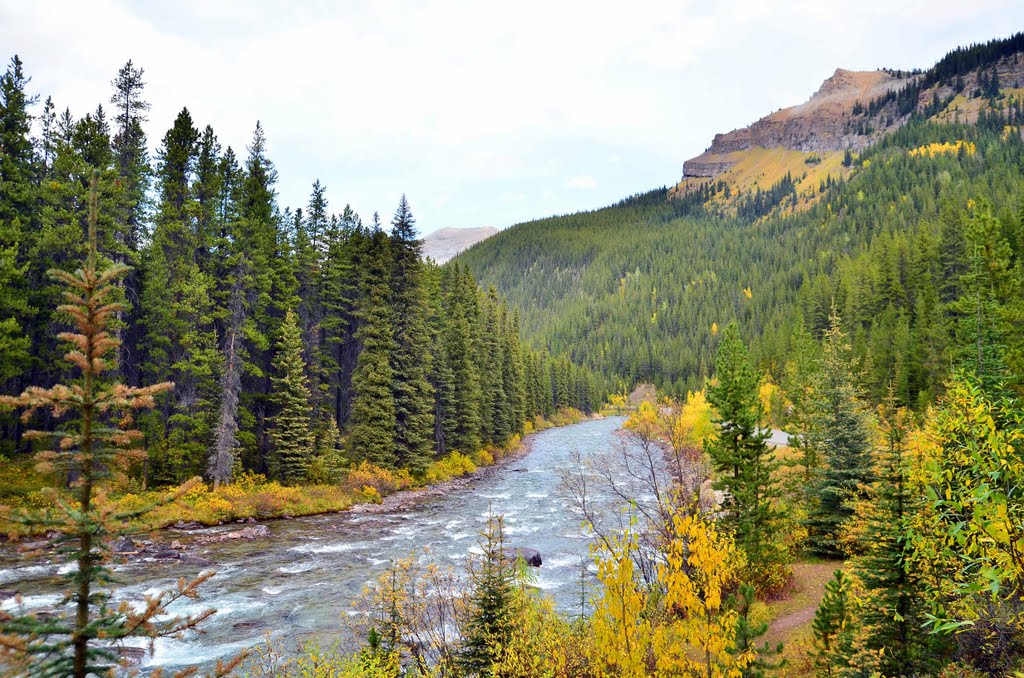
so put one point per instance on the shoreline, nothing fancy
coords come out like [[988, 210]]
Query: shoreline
[[397, 501]]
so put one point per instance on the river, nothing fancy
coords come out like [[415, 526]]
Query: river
[[300, 581]]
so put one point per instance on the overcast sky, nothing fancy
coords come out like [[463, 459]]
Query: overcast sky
[[483, 113]]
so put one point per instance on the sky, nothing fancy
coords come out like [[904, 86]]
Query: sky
[[482, 113]]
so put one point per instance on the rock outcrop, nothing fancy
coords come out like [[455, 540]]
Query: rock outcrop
[[821, 124]]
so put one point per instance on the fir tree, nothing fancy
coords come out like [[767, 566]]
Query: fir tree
[[373, 418], [742, 461], [462, 409], [410, 359], [490, 621], [840, 429], [835, 627], [92, 448], [893, 602], [16, 197], [131, 162], [747, 634], [291, 431]]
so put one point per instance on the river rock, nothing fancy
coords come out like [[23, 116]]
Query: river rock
[[251, 532], [33, 546], [531, 556], [181, 525], [124, 545]]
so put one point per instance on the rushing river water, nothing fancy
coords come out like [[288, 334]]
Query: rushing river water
[[302, 579]]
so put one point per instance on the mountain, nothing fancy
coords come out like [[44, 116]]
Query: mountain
[[445, 243], [865, 196], [851, 111], [820, 125]]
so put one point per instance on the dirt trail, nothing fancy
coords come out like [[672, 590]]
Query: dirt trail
[[798, 610]]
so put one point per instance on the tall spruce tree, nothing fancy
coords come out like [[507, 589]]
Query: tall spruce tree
[[291, 430], [410, 358], [178, 313], [462, 407], [839, 428], [373, 420], [894, 607], [16, 198], [743, 463], [131, 162], [490, 619]]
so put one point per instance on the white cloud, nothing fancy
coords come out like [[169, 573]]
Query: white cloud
[[582, 182], [455, 102]]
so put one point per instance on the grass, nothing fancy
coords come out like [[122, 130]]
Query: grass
[[764, 167]]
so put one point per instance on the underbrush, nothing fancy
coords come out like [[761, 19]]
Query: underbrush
[[251, 495]]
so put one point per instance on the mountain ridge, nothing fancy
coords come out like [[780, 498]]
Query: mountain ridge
[[444, 243]]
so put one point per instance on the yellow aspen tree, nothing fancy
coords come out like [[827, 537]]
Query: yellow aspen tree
[[621, 632], [701, 565]]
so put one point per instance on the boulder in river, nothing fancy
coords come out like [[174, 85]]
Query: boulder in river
[[531, 556], [124, 545]]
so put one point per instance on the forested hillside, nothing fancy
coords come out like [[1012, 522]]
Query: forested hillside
[[641, 288], [298, 341]]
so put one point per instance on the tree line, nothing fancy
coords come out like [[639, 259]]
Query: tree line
[[299, 341]]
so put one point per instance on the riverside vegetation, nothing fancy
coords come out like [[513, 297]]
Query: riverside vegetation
[[885, 339]]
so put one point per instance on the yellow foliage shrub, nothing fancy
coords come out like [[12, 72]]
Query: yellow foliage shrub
[[371, 495], [483, 458], [383, 480], [945, 148], [455, 465]]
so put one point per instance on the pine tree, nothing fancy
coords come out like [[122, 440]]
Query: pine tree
[[835, 627], [743, 462], [462, 408], [291, 431], [346, 246], [410, 359], [893, 602], [93, 447], [373, 419], [178, 313], [747, 634], [840, 429], [16, 197], [254, 238], [131, 161], [489, 618]]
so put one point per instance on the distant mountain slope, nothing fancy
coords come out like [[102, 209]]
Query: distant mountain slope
[[850, 111], [822, 124], [445, 243], [641, 288]]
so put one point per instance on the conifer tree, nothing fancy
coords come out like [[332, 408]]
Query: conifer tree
[[291, 432], [16, 196], [410, 359], [131, 162], [743, 462], [92, 448], [178, 313], [747, 634], [490, 621], [835, 627], [840, 429], [373, 418], [466, 375], [893, 602]]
